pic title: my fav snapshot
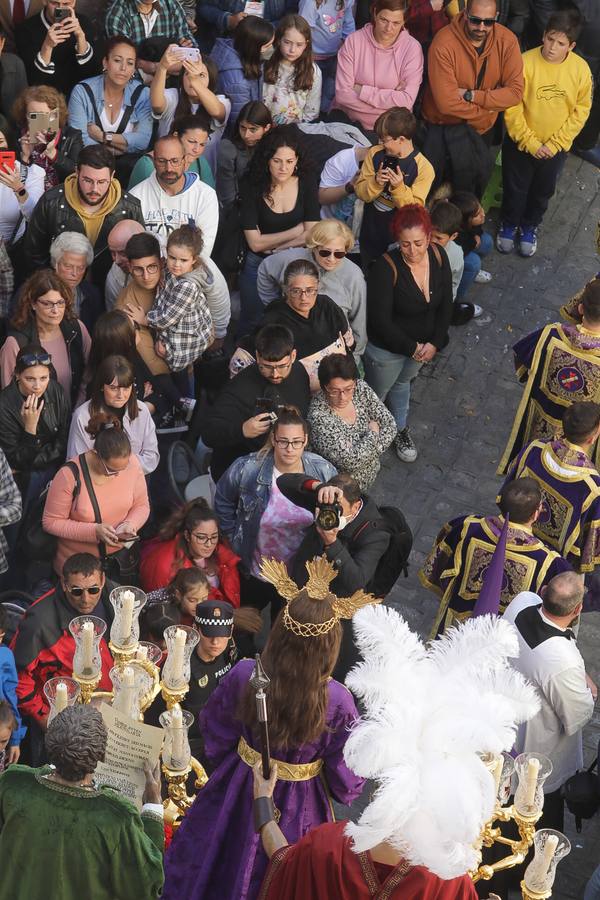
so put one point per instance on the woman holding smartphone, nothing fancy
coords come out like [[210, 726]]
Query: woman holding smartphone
[[21, 186], [46, 140]]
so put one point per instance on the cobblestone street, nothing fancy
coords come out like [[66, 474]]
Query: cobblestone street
[[463, 406]]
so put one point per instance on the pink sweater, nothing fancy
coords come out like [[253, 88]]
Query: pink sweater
[[389, 76], [124, 497]]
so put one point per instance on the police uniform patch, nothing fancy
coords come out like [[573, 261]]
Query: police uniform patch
[[202, 682]]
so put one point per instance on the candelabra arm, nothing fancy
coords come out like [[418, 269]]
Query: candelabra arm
[[172, 697], [176, 788], [200, 773], [88, 686]]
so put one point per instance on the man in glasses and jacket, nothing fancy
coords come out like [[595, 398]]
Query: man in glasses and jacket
[[475, 71], [43, 645]]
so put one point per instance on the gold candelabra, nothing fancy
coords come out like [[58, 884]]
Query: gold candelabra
[[88, 687], [493, 835]]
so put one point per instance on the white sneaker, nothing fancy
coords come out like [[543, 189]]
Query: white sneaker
[[483, 277], [478, 310], [405, 448]]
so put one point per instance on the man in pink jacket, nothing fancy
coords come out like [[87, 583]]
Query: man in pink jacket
[[379, 66]]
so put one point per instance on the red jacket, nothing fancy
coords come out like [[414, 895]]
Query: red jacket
[[44, 648], [161, 560], [423, 22]]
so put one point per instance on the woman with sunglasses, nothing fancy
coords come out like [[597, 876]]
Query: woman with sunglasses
[[34, 422], [328, 245], [113, 392], [191, 537], [110, 478], [349, 425], [45, 315], [256, 517]]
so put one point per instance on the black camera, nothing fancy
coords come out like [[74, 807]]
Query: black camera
[[328, 516]]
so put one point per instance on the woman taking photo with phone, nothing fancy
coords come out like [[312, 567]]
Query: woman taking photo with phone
[[111, 504], [21, 186], [46, 139]]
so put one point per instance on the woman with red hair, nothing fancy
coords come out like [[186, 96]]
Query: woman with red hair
[[409, 309]]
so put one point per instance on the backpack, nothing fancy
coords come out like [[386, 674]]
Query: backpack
[[35, 544], [395, 559], [581, 793]]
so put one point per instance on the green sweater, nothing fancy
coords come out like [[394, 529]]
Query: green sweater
[[144, 168], [74, 844]]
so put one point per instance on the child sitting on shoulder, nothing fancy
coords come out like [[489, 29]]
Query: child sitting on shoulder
[[475, 242], [392, 175]]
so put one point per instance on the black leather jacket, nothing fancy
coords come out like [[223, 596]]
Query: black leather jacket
[[53, 215], [48, 446], [71, 333]]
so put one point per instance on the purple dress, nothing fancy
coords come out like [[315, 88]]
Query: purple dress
[[216, 854]]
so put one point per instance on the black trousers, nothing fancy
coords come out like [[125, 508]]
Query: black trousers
[[528, 184]]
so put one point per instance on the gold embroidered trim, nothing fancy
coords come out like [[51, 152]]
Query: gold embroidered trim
[[285, 771]]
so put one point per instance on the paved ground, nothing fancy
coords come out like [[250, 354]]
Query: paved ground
[[463, 405]]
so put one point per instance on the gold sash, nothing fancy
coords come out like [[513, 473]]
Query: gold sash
[[285, 771]]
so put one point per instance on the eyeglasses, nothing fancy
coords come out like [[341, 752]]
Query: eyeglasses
[[52, 304], [75, 270], [36, 359], [339, 254], [475, 20], [284, 443], [152, 269], [174, 161], [110, 472], [272, 369], [78, 592], [339, 392], [296, 293], [205, 538]]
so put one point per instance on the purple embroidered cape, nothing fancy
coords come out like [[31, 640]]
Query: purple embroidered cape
[[215, 854]]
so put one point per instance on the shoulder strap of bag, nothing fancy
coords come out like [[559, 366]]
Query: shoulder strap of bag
[[75, 472], [128, 111], [392, 266], [481, 75], [92, 100], [437, 254], [93, 499]]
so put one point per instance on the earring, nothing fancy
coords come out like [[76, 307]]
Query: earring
[[295, 172]]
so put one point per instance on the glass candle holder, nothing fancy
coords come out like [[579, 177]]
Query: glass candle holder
[[60, 692], [87, 632], [504, 787], [550, 847], [127, 603], [131, 683], [531, 769], [176, 753], [149, 651], [180, 641]]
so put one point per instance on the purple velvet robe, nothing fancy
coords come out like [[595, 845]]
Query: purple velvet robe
[[215, 854]]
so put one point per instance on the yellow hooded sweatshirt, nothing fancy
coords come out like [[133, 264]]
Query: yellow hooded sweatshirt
[[92, 221]]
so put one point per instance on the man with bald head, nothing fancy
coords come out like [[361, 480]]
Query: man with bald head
[[171, 197], [475, 71], [550, 659], [119, 272]]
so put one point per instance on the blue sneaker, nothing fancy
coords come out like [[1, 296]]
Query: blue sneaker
[[505, 239], [528, 241]]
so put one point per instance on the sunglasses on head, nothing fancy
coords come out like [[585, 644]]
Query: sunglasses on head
[[36, 359], [339, 254], [78, 592], [475, 20]]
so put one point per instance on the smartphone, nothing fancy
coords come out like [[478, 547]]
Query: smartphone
[[126, 537], [192, 54], [265, 406], [7, 159], [390, 162], [61, 13], [46, 123]]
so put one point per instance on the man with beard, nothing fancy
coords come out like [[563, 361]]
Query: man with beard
[[172, 197], [90, 202]]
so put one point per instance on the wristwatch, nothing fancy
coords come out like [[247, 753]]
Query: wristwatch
[[468, 96], [108, 136], [22, 192], [349, 188]]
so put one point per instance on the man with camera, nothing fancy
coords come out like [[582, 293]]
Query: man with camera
[[246, 408], [349, 530]]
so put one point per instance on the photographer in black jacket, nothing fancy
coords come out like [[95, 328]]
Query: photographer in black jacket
[[355, 546]]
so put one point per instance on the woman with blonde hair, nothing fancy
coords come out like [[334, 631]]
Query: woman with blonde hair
[[328, 244], [45, 315], [55, 149]]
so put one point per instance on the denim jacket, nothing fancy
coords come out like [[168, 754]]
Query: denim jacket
[[243, 493], [81, 112]]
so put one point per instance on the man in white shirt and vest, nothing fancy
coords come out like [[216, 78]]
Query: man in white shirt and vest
[[550, 659]]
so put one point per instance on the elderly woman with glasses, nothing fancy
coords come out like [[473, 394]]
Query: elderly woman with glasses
[[45, 315], [191, 537], [71, 254], [317, 323], [328, 244], [349, 425], [256, 517], [34, 421]]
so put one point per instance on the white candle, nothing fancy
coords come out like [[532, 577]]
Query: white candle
[[533, 769], [141, 653], [126, 696], [549, 851], [128, 598], [60, 697], [178, 656], [177, 732], [87, 648]]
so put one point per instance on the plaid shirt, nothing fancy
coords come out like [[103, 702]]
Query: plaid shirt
[[10, 507], [7, 281], [182, 321], [124, 19]]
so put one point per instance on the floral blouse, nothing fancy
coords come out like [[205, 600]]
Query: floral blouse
[[288, 105], [352, 448]]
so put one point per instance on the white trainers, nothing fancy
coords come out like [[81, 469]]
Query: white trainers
[[405, 448], [478, 310], [483, 277]]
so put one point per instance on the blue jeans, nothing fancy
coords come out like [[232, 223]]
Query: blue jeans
[[473, 264], [251, 306], [390, 375], [592, 888], [328, 67]]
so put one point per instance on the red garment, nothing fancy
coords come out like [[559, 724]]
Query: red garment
[[322, 866], [18, 12], [422, 21], [161, 560]]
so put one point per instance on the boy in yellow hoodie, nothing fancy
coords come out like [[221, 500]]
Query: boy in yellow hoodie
[[392, 175], [540, 130]]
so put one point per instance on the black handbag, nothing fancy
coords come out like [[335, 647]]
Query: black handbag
[[35, 544]]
